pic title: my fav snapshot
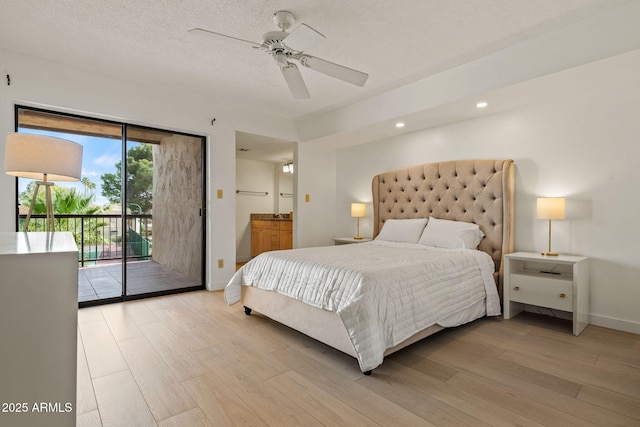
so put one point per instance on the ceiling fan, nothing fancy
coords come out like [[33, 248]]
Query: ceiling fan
[[285, 47]]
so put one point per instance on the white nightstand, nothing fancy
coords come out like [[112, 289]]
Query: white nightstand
[[349, 240], [559, 282]]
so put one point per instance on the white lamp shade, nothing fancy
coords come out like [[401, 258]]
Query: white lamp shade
[[358, 210], [31, 156], [550, 208]]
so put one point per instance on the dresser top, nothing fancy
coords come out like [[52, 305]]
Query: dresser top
[[36, 243]]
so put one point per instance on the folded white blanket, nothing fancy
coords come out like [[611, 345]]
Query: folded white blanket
[[383, 292]]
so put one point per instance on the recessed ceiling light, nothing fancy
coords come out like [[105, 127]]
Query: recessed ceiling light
[[482, 104], [399, 125]]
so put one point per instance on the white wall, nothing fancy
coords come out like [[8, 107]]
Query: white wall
[[252, 175], [314, 221], [584, 148], [284, 184], [50, 85]]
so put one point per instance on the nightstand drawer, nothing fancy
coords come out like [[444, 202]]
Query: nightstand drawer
[[543, 290]]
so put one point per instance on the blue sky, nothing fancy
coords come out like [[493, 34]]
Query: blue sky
[[99, 156]]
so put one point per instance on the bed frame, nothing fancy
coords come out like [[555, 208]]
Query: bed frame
[[477, 191]]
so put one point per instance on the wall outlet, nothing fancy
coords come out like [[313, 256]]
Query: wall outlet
[[220, 263], [307, 198], [219, 194]]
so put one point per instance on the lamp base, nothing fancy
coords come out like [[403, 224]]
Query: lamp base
[[357, 238], [548, 253]]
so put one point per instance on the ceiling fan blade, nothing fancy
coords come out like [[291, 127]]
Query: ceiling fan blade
[[340, 72], [302, 38], [207, 33], [294, 80]]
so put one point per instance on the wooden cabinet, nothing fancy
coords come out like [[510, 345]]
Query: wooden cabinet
[[558, 283], [286, 235], [270, 235]]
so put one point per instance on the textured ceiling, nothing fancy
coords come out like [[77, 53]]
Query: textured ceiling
[[397, 43]]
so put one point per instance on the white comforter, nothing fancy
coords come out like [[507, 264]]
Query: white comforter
[[383, 292]]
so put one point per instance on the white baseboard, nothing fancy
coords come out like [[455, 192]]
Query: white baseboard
[[216, 286], [594, 319], [613, 323]]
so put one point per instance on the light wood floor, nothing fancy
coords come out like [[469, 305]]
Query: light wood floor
[[190, 360]]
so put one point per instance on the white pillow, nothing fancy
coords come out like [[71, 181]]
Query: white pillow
[[402, 230], [443, 233]]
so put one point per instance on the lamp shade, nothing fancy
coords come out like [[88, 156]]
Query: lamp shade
[[358, 210], [31, 156], [550, 208]]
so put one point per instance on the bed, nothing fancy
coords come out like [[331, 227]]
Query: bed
[[371, 299]]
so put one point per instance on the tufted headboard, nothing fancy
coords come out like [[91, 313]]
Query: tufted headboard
[[478, 191]]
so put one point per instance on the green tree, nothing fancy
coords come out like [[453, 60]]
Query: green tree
[[139, 179], [88, 185], [67, 201]]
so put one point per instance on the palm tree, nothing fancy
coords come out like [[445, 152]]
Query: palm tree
[[88, 185], [68, 201]]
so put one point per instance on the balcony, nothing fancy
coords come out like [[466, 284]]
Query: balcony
[[102, 245]]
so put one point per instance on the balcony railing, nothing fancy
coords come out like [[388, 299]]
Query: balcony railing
[[100, 238]]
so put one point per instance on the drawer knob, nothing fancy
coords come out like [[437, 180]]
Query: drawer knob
[[516, 288], [562, 295]]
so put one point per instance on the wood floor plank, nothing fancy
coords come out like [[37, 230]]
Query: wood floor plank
[[365, 401], [85, 397], [583, 373], [89, 419], [199, 361], [315, 401], [247, 382], [163, 393], [611, 401], [475, 406], [121, 325], [242, 330], [89, 314], [337, 360], [426, 366], [179, 359], [616, 345], [531, 343], [120, 401], [102, 352], [184, 331], [422, 404], [245, 366], [507, 399], [221, 405], [192, 418], [139, 312], [525, 386]]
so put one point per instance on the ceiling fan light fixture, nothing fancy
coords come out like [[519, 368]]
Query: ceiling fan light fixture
[[281, 59], [284, 19]]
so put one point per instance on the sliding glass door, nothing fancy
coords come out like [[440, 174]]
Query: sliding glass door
[[136, 214], [163, 215]]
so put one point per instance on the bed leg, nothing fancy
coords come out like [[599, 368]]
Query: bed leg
[[367, 373], [247, 310]]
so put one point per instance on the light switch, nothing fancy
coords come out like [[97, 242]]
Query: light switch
[[219, 194], [307, 198]]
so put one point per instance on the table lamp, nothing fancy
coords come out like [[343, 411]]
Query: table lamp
[[550, 208], [358, 210], [46, 159]]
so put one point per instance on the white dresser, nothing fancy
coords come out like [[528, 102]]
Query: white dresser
[[38, 329]]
